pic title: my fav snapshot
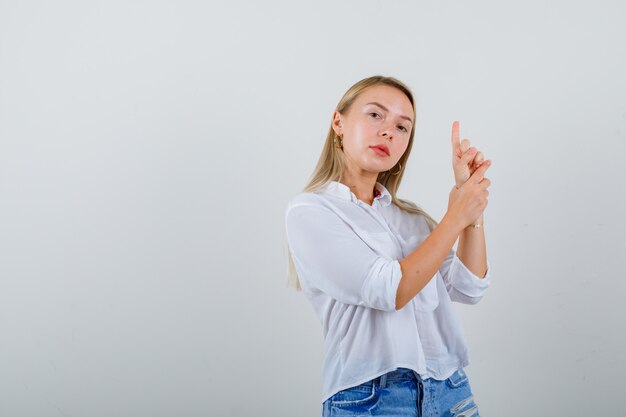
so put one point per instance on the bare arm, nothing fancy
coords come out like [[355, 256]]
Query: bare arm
[[466, 203], [472, 250], [422, 264]]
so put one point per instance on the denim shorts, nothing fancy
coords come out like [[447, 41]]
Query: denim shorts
[[403, 393]]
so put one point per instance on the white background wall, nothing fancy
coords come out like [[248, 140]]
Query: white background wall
[[148, 149]]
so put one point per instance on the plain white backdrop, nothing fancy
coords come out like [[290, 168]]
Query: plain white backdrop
[[148, 149]]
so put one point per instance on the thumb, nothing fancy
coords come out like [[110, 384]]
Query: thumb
[[479, 174]]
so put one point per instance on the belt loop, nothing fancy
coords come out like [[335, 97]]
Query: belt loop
[[383, 381]]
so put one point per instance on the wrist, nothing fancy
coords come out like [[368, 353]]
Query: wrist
[[453, 222], [477, 224]]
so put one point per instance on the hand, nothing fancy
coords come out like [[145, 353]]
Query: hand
[[467, 202], [465, 159]]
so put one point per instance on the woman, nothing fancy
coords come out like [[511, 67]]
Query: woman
[[381, 273]]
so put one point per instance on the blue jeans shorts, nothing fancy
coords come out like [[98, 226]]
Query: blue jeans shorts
[[403, 393]]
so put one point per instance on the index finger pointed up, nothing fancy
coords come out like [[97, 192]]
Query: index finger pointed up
[[456, 141]]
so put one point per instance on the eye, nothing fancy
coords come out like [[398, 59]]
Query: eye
[[374, 114], [404, 129]]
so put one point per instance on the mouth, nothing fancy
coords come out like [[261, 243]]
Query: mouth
[[380, 150]]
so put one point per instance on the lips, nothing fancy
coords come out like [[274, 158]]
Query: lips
[[382, 147]]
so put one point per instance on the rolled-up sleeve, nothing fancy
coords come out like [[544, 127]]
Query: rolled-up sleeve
[[462, 284], [331, 257]]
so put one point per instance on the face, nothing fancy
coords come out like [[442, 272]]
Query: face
[[380, 116]]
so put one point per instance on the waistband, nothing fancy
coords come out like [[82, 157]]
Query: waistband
[[400, 374]]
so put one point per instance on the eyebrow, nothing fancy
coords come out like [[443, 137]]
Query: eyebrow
[[387, 110]]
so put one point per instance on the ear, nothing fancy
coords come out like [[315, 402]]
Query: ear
[[337, 123]]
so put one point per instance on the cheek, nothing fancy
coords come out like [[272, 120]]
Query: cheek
[[402, 147], [359, 137], [361, 131]]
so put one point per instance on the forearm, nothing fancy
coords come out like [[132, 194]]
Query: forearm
[[472, 250], [422, 264]]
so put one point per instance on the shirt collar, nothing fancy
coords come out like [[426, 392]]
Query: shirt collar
[[343, 191]]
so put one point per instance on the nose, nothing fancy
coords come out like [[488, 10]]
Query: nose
[[386, 132], [386, 135]]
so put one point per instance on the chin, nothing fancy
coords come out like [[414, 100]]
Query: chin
[[377, 170]]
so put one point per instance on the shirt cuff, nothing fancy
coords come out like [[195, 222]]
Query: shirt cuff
[[380, 290], [466, 281]]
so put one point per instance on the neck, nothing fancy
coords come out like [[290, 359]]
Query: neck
[[362, 184]]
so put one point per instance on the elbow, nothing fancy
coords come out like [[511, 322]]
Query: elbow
[[470, 300], [462, 298]]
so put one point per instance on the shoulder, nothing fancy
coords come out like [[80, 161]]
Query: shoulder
[[305, 199], [308, 202]]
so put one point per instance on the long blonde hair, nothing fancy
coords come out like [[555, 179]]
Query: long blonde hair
[[330, 165]]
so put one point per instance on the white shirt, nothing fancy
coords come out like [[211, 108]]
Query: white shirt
[[346, 254]]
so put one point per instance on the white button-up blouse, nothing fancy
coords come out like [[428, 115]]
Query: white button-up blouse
[[346, 254]]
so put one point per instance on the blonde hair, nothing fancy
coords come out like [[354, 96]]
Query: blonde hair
[[330, 165]]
